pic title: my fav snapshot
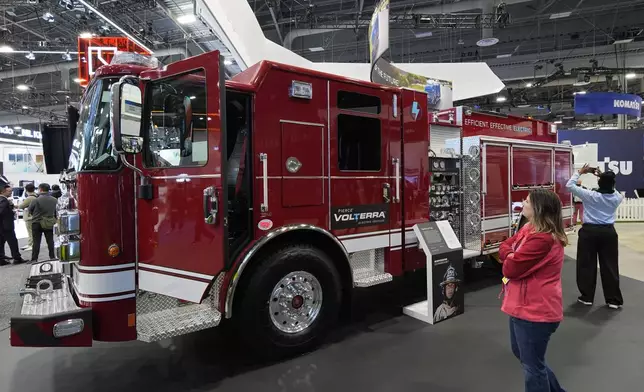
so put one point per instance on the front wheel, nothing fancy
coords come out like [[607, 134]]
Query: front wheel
[[290, 302]]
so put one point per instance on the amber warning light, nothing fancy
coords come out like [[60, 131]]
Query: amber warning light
[[94, 52]]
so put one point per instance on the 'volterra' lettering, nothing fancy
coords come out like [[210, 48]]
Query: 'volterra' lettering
[[619, 167], [623, 103], [357, 217]]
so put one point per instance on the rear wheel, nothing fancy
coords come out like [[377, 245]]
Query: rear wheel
[[290, 302]]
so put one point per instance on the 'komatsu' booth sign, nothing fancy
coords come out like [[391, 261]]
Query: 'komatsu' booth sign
[[608, 103]]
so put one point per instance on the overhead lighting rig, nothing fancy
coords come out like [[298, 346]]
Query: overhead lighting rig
[[404, 21]]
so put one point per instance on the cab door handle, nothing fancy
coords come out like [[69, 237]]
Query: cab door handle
[[386, 193], [210, 205]]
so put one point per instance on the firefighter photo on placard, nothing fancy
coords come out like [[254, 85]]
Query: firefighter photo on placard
[[450, 293]]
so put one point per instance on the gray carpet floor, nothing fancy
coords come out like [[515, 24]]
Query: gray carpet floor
[[595, 350], [12, 279]]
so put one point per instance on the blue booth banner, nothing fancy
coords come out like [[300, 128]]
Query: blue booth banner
[[621, 151], [608, 103]]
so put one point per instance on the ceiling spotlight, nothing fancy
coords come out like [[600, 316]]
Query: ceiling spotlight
[[48, 16], [485, 42], [528, 85], [22, 87], [30, 56], [558, 122], [187, 19], [86, 34], [501, 98], [631, 76], [6, 49], [25, 107], [582, 92]]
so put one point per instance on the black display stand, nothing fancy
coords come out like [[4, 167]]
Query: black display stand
[[444, 254]]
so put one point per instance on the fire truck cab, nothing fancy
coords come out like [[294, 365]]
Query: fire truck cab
[[264, 199]]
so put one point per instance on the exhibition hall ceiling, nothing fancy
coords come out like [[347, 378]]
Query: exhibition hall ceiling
[[547, 50], [54, 26]]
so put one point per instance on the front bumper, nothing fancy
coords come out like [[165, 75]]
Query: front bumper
[[49, 315]]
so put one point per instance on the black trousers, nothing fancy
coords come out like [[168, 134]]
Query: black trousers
[[37, 231], [598, 241], [9, 236]]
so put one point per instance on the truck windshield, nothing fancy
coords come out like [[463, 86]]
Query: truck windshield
[[92, 145]]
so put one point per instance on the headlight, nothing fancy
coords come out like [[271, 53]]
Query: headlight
[[68, 223]]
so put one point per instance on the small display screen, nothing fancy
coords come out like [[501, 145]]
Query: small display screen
[[432, 236]]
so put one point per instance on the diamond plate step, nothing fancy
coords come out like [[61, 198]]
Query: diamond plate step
[[369, 277], [368, 268], [168, 323]]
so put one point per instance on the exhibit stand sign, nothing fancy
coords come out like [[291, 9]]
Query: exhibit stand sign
[[445, 298]]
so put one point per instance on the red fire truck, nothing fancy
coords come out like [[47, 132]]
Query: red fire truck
[[265, 199]]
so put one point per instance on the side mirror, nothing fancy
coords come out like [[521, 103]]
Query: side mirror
[[126, 112]]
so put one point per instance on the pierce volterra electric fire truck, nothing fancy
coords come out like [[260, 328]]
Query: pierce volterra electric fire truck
[[265, 199]]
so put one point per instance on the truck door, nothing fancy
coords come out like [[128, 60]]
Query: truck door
[[361, 170], [182, 229]]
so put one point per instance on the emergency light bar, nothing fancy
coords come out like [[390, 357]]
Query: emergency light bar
[[130, 58]]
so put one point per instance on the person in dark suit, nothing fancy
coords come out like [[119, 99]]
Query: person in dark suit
[[7, 217], [3, 258]]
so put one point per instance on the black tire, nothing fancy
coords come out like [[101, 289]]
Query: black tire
[[251, 315]]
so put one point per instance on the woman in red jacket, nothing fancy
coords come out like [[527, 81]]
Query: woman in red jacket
[[532, 262]]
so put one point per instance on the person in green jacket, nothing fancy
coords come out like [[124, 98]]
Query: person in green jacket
[[30, 192]]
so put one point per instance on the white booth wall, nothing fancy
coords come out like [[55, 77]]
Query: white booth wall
[[24, 163]]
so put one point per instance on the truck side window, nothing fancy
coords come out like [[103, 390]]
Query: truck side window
[[177, 134], [358, 102], [359, 147]]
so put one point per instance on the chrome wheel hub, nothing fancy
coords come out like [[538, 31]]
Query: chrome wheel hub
[[295, 302]]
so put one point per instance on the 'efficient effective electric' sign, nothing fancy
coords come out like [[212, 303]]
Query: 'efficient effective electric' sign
[[608, 103]]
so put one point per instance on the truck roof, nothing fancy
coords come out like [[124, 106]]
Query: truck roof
[[252, 78], [120, 69]]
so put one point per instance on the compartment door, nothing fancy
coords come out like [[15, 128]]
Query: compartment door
[[531, 167], [563, 172], [496, 219], [302, 164]]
